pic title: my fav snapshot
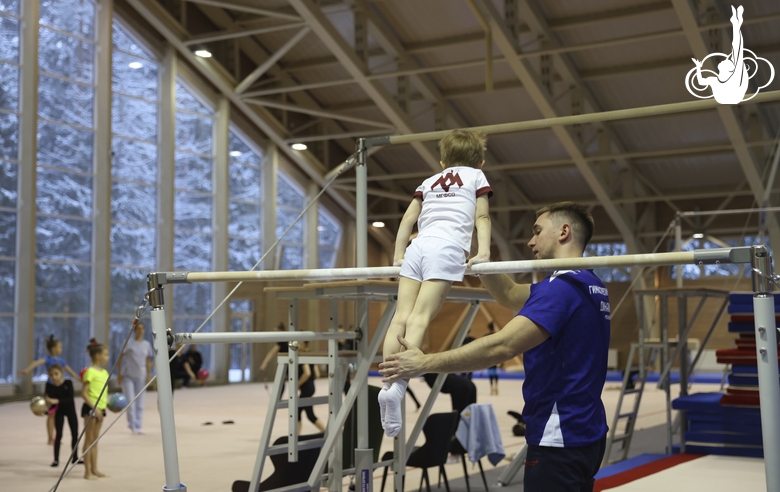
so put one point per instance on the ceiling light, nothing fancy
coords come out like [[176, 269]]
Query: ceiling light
[[299, 146], [698, 235], [378, 224], [135, 65], [320, 228], [203, 53], [235, 153]]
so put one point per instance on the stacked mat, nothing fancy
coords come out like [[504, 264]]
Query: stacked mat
[[730, 423], [743, 381]]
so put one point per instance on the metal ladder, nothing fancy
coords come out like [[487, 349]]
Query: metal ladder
[[648, 354]]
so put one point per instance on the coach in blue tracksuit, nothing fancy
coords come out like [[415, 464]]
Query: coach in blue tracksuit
[[562, 328]]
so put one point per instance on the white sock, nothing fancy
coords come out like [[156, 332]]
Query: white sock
[[393, 399], [383, 402]]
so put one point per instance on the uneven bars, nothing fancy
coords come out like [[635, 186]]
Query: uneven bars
[[620, 114], [702, 256], [261, 337], [728, 212]]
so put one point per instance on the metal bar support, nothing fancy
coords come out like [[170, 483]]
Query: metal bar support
[[265, 439], [766, 352], [361, 205], [292, 385], [361, 377], [164, 388]]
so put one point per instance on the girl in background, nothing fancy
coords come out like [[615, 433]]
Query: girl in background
[[59, 393], [93, 383], [54, 349]]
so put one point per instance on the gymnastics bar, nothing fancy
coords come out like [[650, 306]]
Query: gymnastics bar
[[766, 346], [703, 256], [261, 337], [620, 114]]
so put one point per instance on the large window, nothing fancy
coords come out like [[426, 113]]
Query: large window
[[245, 228], [134, 170], [65, 174], [609, 249], [329, 238], [193, 206], [289, 204], [9, 153]]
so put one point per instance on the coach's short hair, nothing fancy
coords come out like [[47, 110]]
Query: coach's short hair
[[581, 221], [463, 148]]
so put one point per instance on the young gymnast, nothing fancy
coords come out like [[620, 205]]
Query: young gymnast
[[446, 208], [93, 381], [59, 393], [54, 349]]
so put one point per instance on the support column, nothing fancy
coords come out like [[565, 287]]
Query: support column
[[270, 171], [24, 321], [312, 253], [219, 238], [101, 184], [166, 171]]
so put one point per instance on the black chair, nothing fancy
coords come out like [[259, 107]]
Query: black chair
[[457, 449], [286, 473], [439, 430]]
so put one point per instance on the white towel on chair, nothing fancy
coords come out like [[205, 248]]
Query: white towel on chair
[[478, 433]]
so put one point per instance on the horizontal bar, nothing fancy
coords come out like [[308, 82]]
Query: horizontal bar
[[305, 402], [729, 212], [620, 114], [302, 445], [723, 255], [261, 337]]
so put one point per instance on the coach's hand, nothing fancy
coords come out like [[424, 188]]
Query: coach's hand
[[404, 365]]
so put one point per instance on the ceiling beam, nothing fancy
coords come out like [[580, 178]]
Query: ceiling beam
[[533, 85], [271, 60], [249, 9], [238, 32], [160, 20], [333, 40], [317, 112], [728, 115]]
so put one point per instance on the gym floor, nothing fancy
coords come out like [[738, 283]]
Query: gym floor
[[211, 457]]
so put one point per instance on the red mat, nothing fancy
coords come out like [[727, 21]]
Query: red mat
[[642, 471], [741, 401], [747, 318]]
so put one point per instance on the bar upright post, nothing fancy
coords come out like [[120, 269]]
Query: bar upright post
[[361, 205], [766, 357], [164, 387]]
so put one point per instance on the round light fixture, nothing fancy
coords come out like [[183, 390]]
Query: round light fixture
[[320, 228], [698, 235], [299, 146], [135, 65], [203, 53], [378, 224], [235, 153]]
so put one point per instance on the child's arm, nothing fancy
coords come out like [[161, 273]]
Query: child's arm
[[72, 372], [32, 366], [405, 230], [482, 224], [49, 399], [270, 355]]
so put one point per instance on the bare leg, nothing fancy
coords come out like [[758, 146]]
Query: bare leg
[[429, 300], [407, 295], [88, 438], [95, 471]]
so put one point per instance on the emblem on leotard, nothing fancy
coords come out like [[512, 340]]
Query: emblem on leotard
[[447, 180], [735, 70]]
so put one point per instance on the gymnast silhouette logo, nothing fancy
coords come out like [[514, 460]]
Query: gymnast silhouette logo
[[730, 84], [448, 180]]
